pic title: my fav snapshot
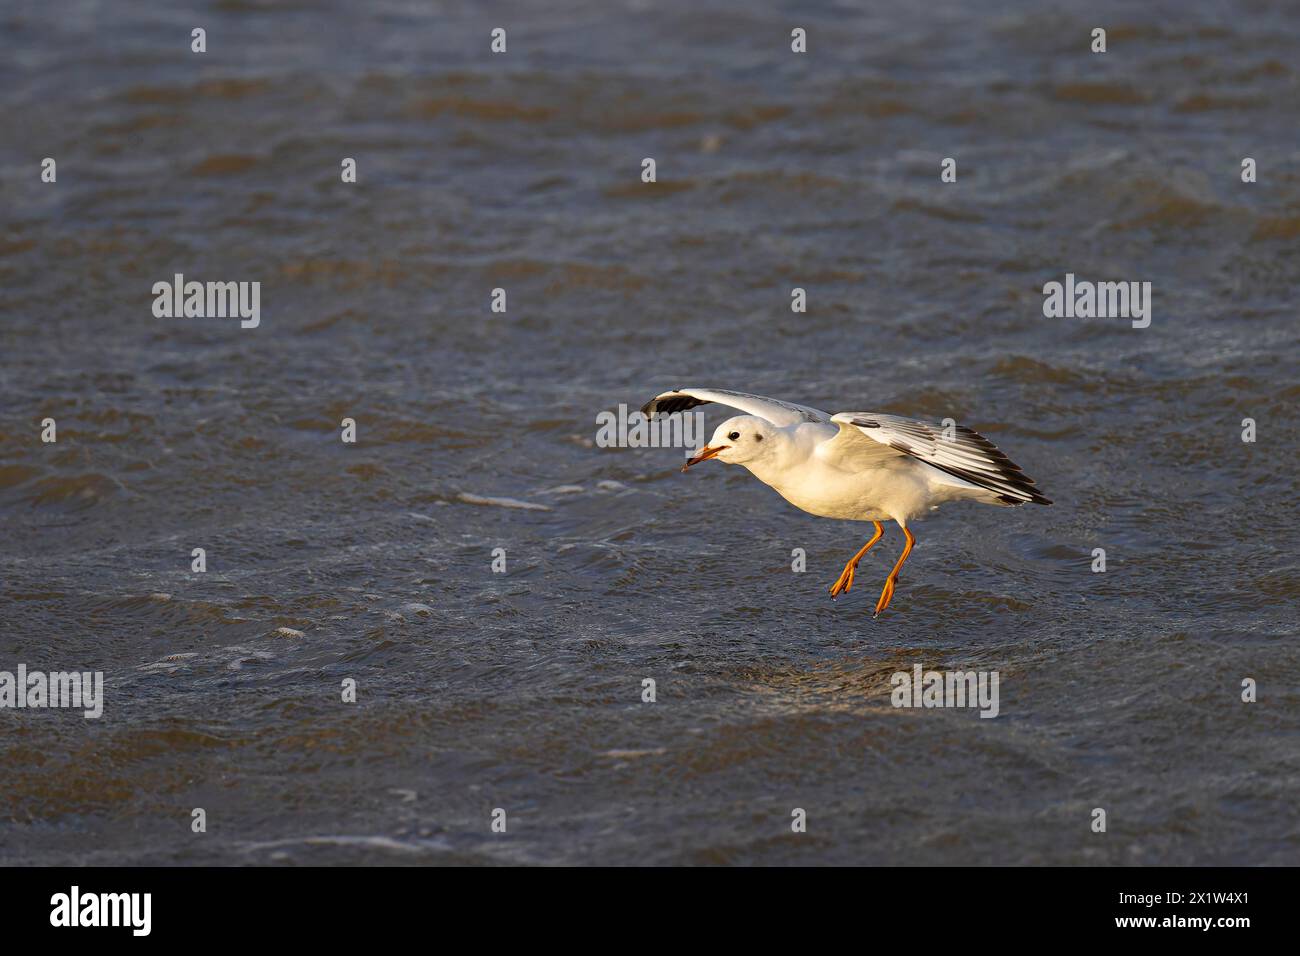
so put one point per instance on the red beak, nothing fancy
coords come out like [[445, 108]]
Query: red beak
[[704, 455]]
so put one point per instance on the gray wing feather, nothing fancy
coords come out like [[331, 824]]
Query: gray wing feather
[[962, 452], [772, 409]]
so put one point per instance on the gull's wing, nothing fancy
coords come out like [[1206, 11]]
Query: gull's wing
[[865, 437], [777, 412]]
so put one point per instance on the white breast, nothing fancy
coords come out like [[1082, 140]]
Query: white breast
[[895, 487]]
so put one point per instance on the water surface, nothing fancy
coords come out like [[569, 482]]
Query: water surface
[[522, 690]]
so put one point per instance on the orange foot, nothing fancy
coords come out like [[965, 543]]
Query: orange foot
[[887, 593], [845, 581]]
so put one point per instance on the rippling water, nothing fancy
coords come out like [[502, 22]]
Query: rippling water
[[522, 690]]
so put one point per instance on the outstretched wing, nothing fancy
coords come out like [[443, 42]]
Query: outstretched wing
[[967, 455], [777, 412]]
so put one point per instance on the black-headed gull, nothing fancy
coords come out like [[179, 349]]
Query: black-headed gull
[[859, 466]]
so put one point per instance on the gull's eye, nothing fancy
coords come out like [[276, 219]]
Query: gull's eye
[[734, 435]]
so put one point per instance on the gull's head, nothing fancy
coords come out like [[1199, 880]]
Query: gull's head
[[737, 441]]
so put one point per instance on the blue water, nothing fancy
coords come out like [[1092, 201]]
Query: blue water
[[522, 690]]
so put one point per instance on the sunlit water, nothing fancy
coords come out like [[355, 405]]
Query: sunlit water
[[1120, 690]]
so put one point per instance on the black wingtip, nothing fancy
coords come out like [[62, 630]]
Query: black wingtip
[[669, 404], [1035, 498]]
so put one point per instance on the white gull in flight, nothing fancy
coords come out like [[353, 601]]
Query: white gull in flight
[[859, 466]]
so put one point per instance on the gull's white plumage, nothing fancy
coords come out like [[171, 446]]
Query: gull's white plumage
[[859, 466]]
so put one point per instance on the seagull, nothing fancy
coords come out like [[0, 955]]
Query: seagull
[[858, 466]]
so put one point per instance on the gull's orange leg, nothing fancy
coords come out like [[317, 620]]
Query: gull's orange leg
[[887, 594], [845, 581]]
